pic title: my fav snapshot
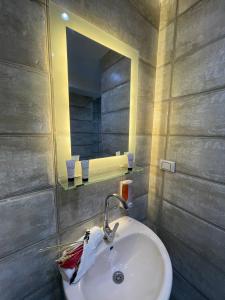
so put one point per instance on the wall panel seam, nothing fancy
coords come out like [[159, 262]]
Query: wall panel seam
[[198, 177], [144, 17], [115, 111], [115, 86], [215, 89], [15, 134], [24, 67], [199, 48], [67, 228], [28, 246], [168, 117], [202, 136], [191, 284], [194, 215], [51, 95], [189, 8], [147, 63], [191, 250], [27, 193], [112, 64]]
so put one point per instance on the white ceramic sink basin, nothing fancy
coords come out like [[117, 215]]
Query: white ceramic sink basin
[[140, 255]]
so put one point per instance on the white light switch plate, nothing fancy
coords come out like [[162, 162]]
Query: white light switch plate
[[167, 165]]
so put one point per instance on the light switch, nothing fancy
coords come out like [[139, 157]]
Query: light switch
[[167, 165]]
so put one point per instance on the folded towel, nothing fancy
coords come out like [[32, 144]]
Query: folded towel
[[89, 253], [66, 274], [75, 262]]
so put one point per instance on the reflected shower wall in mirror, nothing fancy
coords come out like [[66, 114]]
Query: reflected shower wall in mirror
[[99, 96]]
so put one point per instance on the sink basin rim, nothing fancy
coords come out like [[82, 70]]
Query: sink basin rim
[[127, 227]]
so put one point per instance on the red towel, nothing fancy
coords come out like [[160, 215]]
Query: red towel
[[73, 259]]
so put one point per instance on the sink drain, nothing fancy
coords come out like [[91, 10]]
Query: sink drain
[[118, 277]]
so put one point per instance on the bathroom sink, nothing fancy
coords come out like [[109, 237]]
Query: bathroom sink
[[135, 266]]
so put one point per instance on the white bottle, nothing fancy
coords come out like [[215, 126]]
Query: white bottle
[[130, 158], [70, 166], [85, 169]]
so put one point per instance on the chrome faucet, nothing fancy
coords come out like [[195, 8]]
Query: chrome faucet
[[109, 233]]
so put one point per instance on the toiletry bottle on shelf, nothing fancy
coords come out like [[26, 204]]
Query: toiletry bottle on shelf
[[85, 169], [70, 166], [130, 158]]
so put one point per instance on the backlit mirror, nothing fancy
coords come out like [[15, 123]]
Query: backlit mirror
[[99, 98], [94, 79]]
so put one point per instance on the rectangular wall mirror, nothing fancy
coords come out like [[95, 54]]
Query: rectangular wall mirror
[[94, 89], [99, 98]]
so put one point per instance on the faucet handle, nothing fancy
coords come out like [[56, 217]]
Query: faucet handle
[[110, 234], [114, 230]]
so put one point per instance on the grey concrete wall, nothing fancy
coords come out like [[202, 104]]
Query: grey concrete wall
[[33, 214], [115, 103], [27, 206], [187, 208]]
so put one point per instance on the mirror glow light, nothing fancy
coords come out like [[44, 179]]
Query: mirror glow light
[[65, 16]]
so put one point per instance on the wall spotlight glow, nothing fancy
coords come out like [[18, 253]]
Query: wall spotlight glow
[[65, 16]]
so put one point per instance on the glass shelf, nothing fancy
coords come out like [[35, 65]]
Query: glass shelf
[[69, 185]]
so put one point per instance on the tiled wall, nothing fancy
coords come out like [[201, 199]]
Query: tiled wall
[[27, 205], [115, 103], [188, 207], [32, 214]]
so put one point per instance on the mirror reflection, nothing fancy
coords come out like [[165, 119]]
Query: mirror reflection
[[99, 95]]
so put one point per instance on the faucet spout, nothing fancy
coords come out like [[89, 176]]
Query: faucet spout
[[109, 233]]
